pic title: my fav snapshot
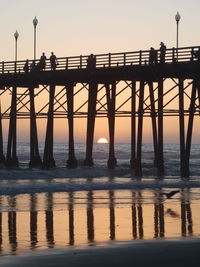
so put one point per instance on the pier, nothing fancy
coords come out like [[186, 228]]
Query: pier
[[151, 89]]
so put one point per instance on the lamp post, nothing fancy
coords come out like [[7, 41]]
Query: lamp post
[[177, 18], [35, 22], [16, 35]]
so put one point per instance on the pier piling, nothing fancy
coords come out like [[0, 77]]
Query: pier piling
[[71, 162], [48, 159], [11, 158]]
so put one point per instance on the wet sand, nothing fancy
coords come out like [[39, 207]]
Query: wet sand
[[171, 253]]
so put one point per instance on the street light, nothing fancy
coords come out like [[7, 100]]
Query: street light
[[177, 18], [35, 22], [16, 35]]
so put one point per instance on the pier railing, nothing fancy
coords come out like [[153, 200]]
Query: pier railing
[[110, 60]]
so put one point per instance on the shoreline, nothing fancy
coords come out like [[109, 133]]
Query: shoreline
[[178, 252]]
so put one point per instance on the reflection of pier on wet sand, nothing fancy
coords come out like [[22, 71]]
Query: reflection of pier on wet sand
[[60, 220]]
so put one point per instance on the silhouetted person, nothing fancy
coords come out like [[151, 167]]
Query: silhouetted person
[[153, 56], [26, 66], [32, 67], [162, 52], [91, 62], [42, 63], [53, 61]]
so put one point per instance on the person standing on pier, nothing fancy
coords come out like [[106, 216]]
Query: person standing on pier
[[32, 67], [91, 62], [53, 61], [153, 56], [26, 66], [162, 52], [42, 63]]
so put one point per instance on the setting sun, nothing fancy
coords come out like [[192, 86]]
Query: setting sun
[[102, 141]]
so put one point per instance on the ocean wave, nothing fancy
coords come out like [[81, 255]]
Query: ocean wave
[[100, 157], [60, 179]]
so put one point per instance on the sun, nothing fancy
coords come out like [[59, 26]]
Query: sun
[[102, 141]]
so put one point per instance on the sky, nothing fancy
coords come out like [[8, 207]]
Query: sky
[[81, 27], [89, 26]]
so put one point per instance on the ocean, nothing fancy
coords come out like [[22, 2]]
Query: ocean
[[63, 209]]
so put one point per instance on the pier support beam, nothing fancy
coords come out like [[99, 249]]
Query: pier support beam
[[35, 160], [92, 98], [182, 128], [138, 170], [11, 158], [133, 125], [154, 126], [48, 160], [190, 127], [160, 128], [71, 162], [111, 99]]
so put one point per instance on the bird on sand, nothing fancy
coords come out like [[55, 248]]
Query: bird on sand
[[171, 194]]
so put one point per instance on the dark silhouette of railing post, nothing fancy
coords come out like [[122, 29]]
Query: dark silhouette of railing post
[[3, 67], [133, 125], [173, 55], [111, 98], [92, 98], [140, 57], [160, 128], [182, 127], [138, 170], [190, 127], [2, 157], [48, 160], [11, 158], [35, 160], [71, 162], [154, 126]]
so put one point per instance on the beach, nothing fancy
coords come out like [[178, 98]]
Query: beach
[[101, 228], [100, 217]]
